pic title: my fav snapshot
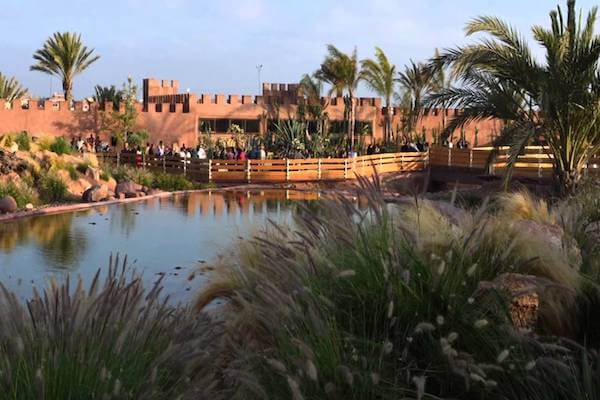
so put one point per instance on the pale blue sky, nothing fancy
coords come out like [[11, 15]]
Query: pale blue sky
[[214, 46]]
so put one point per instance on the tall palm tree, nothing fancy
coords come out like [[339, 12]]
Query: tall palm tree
[[415, 82], [65, 56], [111, 94], [342, 72], [557, 101], [380, 74], [440, 80], [10, 88]]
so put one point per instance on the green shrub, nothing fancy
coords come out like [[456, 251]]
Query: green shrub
[[69, 343], [172, 183], [60, 146], [105, 175], [82, 167], [22, 193], [70, 168], [22, 139], [52, 188]]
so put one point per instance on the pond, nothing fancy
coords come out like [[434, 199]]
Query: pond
[[172, 236]]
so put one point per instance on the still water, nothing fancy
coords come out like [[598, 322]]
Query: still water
[[172, 237]]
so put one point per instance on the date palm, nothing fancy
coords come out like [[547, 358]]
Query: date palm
[[65, 56], [342, 72], [415, 83], [379, 75], [10, 88], [556, 101], [104, 94]]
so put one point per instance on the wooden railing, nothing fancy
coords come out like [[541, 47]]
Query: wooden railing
[[535, 161], [279, 170]]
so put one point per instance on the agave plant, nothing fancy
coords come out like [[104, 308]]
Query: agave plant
[[556, 101], [65, 56], [10, 88]]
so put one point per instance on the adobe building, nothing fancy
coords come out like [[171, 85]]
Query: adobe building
[[176, 117]]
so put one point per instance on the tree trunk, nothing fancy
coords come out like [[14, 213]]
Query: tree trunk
[[352, 122], [388, 125], [67, 89]]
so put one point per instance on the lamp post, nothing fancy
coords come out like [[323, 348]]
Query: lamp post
[[258, 70]]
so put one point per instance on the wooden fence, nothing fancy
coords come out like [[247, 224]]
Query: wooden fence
[[280, 170], [535, 162]]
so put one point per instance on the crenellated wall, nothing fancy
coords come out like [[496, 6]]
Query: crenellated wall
[[174, 117]]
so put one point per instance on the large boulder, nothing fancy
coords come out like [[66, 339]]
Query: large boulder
[[7, 205], [128, 188], [94, 194]]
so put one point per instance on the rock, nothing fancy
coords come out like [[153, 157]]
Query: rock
[[523, 292], [7, 205], [92, 173], [127, 187], [111, 183], [554, 236], [94, 194], [152, 192], [130, 195], [120, 196]]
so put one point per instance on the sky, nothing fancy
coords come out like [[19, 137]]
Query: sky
[[215, 46]]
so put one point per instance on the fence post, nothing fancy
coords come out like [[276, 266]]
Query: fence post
[[210, 170], [427, 159], [184, 166], [287, 169], [247, 167], [449, 156], [345, 168], [470, 158], [540, 162], [401, 161], [319, 169]]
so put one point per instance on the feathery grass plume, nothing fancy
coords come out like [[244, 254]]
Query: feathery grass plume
[[113, 339], [286, 302]]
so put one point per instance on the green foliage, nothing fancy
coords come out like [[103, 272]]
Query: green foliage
[[10, 88], [554, 97], [52, 188], [171, 183], [104, 94], [138, 138], [21, 192], [60, 146], [72, 172], [373, 302], [105, 175], [83, 166], [69, 343], [22, 140], [64, 56]]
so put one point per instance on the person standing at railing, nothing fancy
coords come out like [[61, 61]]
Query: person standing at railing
[[201, 153]]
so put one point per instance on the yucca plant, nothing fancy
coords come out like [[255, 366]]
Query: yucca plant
[[113, 340], [65, 56], [556, 101]]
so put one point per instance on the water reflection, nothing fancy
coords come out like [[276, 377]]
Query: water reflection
[[161, 234]]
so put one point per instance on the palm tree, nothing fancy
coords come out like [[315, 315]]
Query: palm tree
[[104, 94], [440, 81], [65, 56], [415, 82], [556, 101], [310, 88], [379, 74], [342, 72], [10, 88]]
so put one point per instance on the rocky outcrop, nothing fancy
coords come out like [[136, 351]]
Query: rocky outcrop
[[7, 205], [11, 163], [95, 194], [129, 189]]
